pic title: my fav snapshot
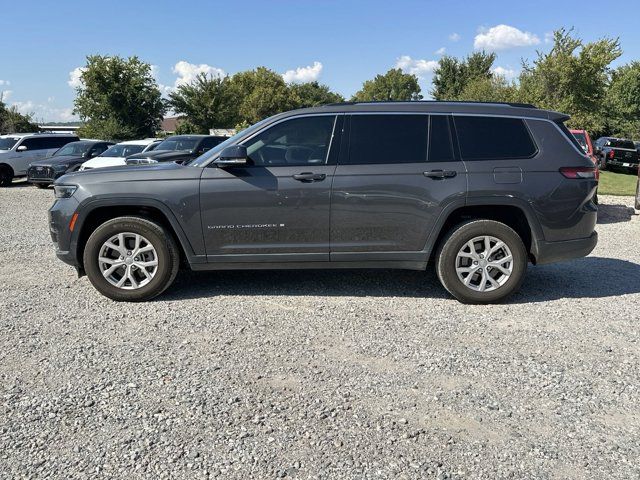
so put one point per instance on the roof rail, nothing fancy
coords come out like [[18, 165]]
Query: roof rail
[[510, 104]]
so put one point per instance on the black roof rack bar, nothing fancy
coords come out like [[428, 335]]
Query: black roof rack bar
[[510, 104]]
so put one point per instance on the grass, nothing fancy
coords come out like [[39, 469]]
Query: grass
[[617, 184]]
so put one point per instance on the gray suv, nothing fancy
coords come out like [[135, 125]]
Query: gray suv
[[477, 189]]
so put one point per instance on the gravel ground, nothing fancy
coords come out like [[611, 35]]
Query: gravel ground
[[305, 374]]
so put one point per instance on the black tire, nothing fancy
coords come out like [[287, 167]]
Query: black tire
[[638, 193], [42, 185], [6, 176], [454, 241], [167, 255]]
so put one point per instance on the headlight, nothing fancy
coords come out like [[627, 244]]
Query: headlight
[[64, 191]]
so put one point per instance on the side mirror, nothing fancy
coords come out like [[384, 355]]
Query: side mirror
[[235, 155], [21, 148]]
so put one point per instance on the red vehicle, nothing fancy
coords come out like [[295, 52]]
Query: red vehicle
[[583, 138]]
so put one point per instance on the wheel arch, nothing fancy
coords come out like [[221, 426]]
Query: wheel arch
[[513, 212], [97, 212]]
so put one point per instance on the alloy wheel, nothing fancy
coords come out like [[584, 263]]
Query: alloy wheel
[[128, 261], [484, 263]]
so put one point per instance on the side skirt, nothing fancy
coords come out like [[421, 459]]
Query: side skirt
[[401, 265]]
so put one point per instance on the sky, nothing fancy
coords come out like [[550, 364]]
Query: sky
[[338, 43]]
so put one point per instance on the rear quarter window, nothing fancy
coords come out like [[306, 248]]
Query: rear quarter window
[[491, 138]]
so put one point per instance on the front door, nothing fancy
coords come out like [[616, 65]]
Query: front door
[[277, 207], [395, 175]]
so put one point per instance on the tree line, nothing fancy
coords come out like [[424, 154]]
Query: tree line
[[120, 99]]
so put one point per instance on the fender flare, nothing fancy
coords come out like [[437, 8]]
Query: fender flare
[[91, 204]]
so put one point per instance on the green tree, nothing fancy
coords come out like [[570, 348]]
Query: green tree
[[393, 85], [453, 75], [206, 102], [623, 101], [258, 94], [572, 78], [312, 94], [118, 99], [12, 121], [493, 89]]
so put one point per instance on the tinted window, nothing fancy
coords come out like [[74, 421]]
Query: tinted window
[[300, 141], [121, 150], [178, 143], [620, 143], [487, 138], [98, 149], [440, 148], [209, 143], [388, 139]]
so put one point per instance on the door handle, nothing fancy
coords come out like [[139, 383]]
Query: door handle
[[440, 173], [309, 177]]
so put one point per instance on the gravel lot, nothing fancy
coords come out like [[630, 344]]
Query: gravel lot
[[307, 374]]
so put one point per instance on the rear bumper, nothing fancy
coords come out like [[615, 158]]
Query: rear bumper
[[550, 252]]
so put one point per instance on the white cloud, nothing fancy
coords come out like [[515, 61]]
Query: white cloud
[[548, 37], [306, 74], [44, 112], [187, 72], [74, 77], [416, 67], [5, 94], [5, 82], [454, 37], [441, 51], [507, 73], [502, 37]]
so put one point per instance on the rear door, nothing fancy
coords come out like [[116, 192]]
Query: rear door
[[396, 173]]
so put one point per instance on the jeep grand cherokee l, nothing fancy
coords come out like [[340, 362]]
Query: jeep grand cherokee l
[[480, 190]]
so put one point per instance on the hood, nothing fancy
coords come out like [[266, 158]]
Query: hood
[[127, 173], [100, 162], [162, 155], [61, 159]]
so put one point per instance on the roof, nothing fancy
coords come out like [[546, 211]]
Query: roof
[[38, 134], [431, 106], [145, 141]]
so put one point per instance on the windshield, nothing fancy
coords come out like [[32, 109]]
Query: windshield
[[122, 150], [205, 157], [7, 143], [74, 148], [177, 143]]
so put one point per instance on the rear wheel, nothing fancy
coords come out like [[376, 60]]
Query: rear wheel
[[6, 176], [131, 259], [481, 261]]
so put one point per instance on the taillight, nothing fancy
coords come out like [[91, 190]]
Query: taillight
[[611, 154], [579, 172]]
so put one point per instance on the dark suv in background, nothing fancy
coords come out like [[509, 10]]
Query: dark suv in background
[[178, 148], [480, 190], [43, 173]]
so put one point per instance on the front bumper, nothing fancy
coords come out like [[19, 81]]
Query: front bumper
[[60, 215], [550, 252]]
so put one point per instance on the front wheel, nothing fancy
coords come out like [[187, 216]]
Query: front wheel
[[481, 261], [131, 259], [42, 185]]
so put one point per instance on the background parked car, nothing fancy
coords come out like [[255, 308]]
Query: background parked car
[[117, 154], [43, 173], [17, 151], [617, 154], [178, 148], [583, 138]]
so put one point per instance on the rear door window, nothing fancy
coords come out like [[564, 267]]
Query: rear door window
[[379, 139], [491, 138]]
